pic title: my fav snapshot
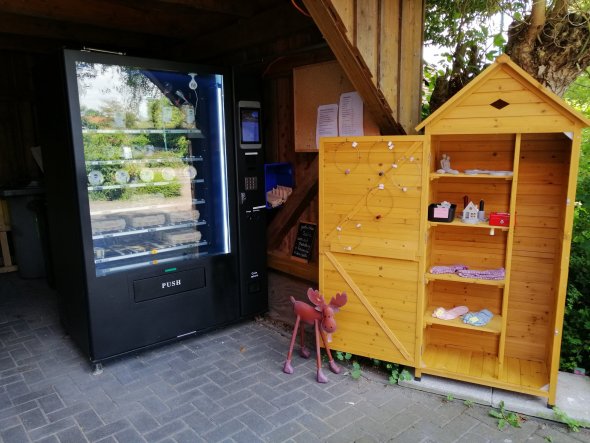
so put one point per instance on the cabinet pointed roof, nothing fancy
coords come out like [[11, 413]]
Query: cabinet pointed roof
[[504, 99]]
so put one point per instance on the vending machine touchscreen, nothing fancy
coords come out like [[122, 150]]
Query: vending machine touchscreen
[[249, 120]]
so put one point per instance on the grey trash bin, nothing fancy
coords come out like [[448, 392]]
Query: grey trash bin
[[25, 206]]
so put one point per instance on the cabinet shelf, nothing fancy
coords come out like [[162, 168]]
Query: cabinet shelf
[[458, 223], [148, 230], [189, 132], [443, 360], [494, 326], [456, 278], [141, 264], [139, 208], [144, 161], [436, 176], [142, 185], [153, 252], [520, 374]]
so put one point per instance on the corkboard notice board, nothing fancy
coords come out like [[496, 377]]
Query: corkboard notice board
[[315, 85]]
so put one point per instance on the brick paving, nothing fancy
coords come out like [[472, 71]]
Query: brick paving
[[224, 386]]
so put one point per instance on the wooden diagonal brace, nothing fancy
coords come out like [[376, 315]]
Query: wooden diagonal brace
[[349, 57], [297, 202], [359, 293]]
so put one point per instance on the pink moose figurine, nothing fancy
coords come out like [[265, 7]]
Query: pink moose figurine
[[322, 317]]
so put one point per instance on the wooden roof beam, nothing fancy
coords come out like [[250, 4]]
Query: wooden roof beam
[[334, 31]]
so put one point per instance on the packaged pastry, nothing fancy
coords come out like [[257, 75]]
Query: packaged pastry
[[168, 174], [95, 178], [121, 176], [190, 172], [145, 220], [183, 216], [100, 225], [146, 175], [181, 237]]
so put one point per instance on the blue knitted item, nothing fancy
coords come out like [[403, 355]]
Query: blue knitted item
[[480, 318]]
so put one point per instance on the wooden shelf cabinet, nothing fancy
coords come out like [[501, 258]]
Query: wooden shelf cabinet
[[374, 196]]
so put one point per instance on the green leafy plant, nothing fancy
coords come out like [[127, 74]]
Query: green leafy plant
[[449, 398], [572, 424], [575, 345], [505, 417], [343, 356], [468, 403], [355, 373], [405, 375], [356, 370], [548, 438], [396, 373]]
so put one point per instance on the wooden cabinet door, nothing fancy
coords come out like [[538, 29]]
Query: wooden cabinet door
[[371, 242]]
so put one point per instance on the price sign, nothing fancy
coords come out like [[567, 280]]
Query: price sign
[[303, 247]]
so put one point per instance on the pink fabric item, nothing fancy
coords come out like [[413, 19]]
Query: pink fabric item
[[451, 314]]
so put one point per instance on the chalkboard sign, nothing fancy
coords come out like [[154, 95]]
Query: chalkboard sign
[[303, 247]]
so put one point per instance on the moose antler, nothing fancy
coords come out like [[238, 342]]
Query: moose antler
[[339, 301], [315, 297]]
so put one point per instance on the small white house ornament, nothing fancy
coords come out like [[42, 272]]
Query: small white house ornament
[[470, 214]]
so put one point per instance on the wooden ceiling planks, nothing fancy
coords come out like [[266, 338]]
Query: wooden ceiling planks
[[138, 17], [196, 30], [38, 35], [231, 7]]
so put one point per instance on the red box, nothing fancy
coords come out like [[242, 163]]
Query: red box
[[499, 219]]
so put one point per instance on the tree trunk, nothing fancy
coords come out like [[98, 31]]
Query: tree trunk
[[466, 66], [553, 47]]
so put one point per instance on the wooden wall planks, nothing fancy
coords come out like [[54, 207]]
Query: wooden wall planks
[[315, 85], [544, 164]]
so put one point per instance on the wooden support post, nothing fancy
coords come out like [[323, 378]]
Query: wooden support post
[[4, 247]]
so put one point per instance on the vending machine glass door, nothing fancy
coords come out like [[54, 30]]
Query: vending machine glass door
[[154, 152]]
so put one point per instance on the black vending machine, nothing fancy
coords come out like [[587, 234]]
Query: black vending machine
[[147, 235]]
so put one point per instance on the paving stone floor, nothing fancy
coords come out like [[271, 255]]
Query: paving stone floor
[[223, 386]]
